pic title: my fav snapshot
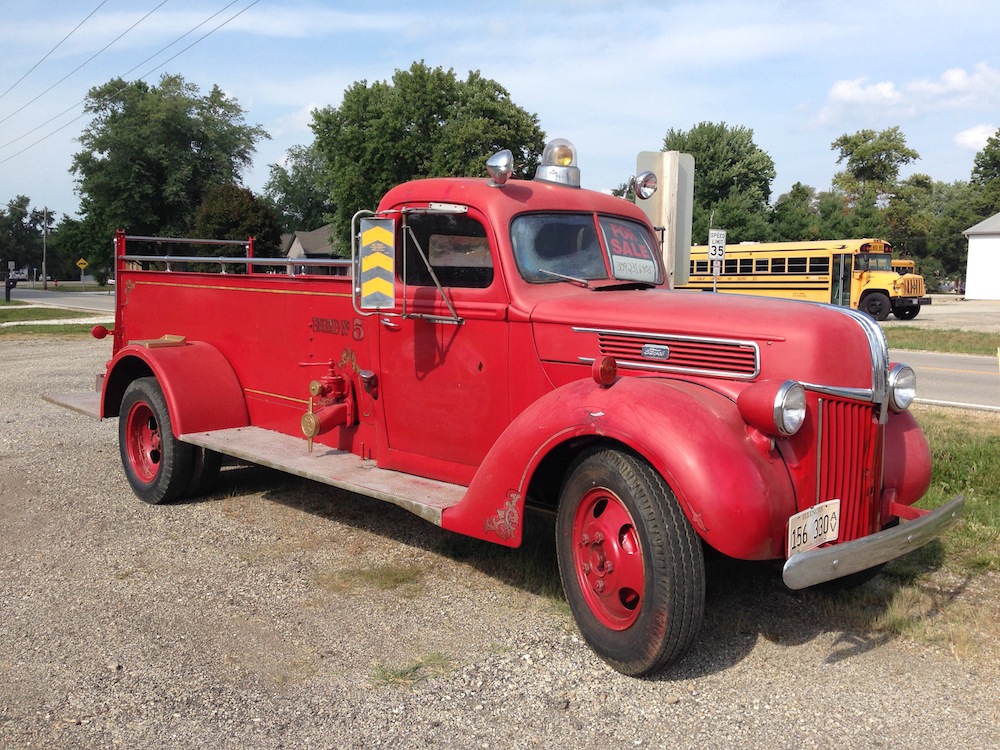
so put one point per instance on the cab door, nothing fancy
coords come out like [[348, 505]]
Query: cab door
[[444, 356]]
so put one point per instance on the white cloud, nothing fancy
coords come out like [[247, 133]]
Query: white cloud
[[954, 89], [974, 138]]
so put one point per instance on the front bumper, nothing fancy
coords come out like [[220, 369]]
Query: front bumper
[[836, 561]]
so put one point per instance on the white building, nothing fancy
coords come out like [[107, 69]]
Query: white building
[[982, 273]]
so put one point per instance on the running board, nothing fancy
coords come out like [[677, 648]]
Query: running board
[[87, 403], [427, 498]]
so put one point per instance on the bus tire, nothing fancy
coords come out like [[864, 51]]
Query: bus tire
[[157, 465], [906, 313], [877, 305], [631, 565]]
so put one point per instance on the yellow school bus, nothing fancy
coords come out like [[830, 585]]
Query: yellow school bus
[[853, 273]]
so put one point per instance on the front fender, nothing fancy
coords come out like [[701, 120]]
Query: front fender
[[198, 383], [736, 494]]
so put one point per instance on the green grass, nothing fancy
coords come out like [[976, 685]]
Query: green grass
[[966, 451], [16, 314], [17, 311], [947, 341]]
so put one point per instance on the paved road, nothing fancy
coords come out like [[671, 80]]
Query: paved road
[[103, 301], [954, 379]]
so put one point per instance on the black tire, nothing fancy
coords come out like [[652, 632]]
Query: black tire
[[205, 468], [643, 611], [157, 465], [906, 313], [877, 305]]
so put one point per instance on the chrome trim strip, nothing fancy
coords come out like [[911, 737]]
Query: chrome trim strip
[[857, 394], [880, 355], [839, 560]]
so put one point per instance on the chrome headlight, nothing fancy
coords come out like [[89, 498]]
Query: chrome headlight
[[774, 407], [902, 387], [789, 407]]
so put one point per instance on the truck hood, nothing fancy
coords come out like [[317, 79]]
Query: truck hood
[[737, 338]]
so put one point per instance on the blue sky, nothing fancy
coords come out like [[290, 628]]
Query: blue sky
[[613, 77]]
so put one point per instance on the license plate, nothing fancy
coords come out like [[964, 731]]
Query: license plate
[[814, 526]]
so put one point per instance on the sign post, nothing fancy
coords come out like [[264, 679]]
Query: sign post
[[716, 253], [82, 264]]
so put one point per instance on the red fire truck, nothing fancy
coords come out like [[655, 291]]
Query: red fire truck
[[498, 345]]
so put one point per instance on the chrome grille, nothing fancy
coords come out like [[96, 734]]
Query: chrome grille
[[913, 286], [849, 464], [675, 353]]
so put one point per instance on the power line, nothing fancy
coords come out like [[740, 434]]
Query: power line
[[86, 62], [45, 57], [128, 72], [148, 73]]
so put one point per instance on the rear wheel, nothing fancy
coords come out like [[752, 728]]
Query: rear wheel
[[157, 465], [906, 313], [631, 565], [877, 305]]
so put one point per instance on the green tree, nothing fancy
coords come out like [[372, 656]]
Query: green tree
[[299, 189], [796, 215], [425, 123], [873, 160], [732, 179], [231, 212], [21, 229], [152, 153], [986, 178]]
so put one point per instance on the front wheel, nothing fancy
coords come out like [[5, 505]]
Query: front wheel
[[877, 305], [631, 565], [157, 465]]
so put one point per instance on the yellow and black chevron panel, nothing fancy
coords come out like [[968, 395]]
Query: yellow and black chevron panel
[[377, 258]]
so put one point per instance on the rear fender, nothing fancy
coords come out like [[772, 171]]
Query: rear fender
[[736, 494], [200, 386]]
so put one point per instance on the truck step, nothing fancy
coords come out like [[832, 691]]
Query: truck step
[[426, 498], [84, 402]]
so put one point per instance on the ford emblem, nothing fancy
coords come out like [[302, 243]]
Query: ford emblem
[[656, 351]]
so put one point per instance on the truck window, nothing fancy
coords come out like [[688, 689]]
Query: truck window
[[455, 245]]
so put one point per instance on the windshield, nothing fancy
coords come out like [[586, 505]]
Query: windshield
[[872, 262], [548, 247]]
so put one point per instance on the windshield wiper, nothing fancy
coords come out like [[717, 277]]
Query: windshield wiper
[[564, 277], [624, 285]]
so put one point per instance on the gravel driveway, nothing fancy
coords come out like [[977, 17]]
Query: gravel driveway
[[264, 617]]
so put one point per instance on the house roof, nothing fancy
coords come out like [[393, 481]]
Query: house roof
[[314, 244], [987, 226]]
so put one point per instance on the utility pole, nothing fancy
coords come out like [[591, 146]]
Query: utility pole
[[45, 236]]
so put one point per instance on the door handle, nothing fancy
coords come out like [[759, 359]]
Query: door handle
[[390, 324]]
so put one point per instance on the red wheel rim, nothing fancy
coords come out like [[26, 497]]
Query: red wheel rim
[[142, 435], [608, 559]]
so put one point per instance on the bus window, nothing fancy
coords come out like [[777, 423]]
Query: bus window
[[746, 265], [760, 265], [701, 266], [777, 265], [796, 265], [819, 265], [730, 266]]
